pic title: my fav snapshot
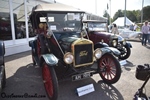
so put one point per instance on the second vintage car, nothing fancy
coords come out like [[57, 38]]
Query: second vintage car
[[130, 35], [62, 52], [98, 32]]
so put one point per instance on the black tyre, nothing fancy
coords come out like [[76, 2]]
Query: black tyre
[[50, 81], [140, 37], [3, 80], [125, 53], [109, 68]]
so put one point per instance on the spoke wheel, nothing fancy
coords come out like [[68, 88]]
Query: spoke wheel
[[126, 53], [50, 81], [140, 37], [109, 69]]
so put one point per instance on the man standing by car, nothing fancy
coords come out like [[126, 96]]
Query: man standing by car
[[149, 33], [145, 29]]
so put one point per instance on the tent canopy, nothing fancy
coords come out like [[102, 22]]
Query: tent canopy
[[120, 21]]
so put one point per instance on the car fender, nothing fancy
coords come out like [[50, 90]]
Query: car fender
[[2, 52], [112, 50], [128, 45], [2, 48], [32, 44], [100, 45], [50, 59]]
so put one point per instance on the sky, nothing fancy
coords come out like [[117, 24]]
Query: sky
[[99, 6]]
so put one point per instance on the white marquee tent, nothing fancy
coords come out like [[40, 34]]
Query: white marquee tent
[[120, 21]]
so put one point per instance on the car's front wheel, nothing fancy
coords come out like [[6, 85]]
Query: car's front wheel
[[50, 81], [109, 68], [140, 37], [125, 52]]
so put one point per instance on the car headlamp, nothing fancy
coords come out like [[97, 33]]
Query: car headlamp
[[114, 43], [124, 42], [68, 58], [97, 53]]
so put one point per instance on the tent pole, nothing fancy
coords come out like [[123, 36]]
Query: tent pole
[[142, 12], [125, 15], [110, 12]]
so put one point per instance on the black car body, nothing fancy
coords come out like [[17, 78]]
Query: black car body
[[62, 51], [2, 66]]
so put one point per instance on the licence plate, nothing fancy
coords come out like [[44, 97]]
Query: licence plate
[[81, 76]]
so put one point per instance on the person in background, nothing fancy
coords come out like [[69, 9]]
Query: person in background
[[145, 29], [115, 29], [149, 34], [131, 27], [135, 27]]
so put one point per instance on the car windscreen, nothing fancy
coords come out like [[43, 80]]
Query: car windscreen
[[64, 22], [97, 26]]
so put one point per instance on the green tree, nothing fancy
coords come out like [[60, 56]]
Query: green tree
[[134, 15], [137, 14], [146, 13], [131, 15], [107, 16], [119, 13]]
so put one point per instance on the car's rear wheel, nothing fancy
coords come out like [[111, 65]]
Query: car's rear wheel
[[125, 53], [140, 37], [50, 81], [109, 68], [34, 63]]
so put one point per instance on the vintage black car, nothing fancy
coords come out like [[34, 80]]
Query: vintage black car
[[2, 66], [98, 31], [62, 52]]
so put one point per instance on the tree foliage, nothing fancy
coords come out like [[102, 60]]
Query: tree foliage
[[131, 16], [119, 13], [146, 13], [107, 16], [134, 15]]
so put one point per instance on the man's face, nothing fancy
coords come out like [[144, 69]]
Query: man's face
[[146, 23]]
